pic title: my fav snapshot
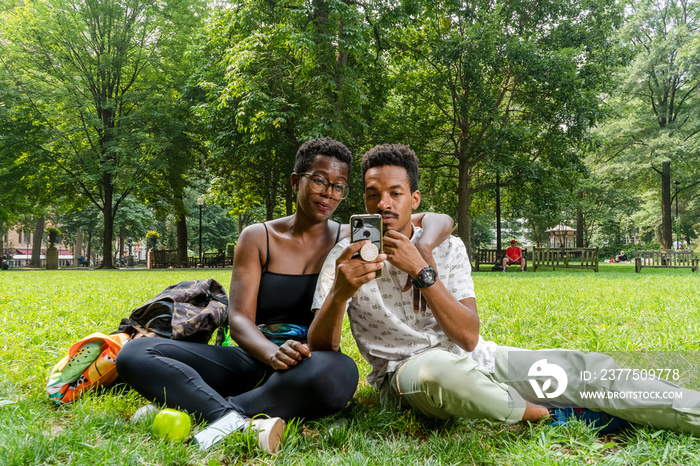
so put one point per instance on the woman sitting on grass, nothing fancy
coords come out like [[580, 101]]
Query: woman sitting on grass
[[272, 371]]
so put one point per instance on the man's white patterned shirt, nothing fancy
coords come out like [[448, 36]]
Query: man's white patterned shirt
[[386, 329]]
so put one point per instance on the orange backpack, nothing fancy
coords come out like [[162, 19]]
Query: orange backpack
[[90, 363]]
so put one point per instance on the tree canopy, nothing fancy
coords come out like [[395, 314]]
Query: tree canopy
[[581, 110], [654, 137], [99, 77]]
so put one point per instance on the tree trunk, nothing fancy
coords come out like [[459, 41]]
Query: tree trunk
[[89, 248], [181, 228], [666, 220], [579, 223], [290, 198], [270, 196], [108, 223], [121, 242], [537, 233], [269, 210], [78, 251], [341, 62], [36, 244], [2, 239], [498, 215], [463, 205]]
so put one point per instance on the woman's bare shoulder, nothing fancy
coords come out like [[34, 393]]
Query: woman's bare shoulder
[[258, 234], [252, 236]]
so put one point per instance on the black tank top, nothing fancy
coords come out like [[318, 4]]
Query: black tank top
[[284, 298]]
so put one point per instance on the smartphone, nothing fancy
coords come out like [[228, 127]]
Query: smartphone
[[368, 226]]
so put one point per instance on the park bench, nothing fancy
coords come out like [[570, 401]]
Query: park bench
[[665, 259], [491, 257], [165, 258], [486, 257], [213, 260], [567, 258]]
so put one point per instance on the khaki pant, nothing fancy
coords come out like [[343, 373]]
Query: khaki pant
[[440, 384]]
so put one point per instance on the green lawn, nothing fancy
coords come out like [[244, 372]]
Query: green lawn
[[44, 312]]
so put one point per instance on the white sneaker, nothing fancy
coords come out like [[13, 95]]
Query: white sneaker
[[270, 432], [218, 430]]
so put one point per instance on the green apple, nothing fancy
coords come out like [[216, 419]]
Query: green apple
[[172, 425]]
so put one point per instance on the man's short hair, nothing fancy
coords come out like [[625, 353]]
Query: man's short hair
[[392, 154], [321, 146]]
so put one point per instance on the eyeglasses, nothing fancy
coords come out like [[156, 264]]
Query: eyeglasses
[[319, 184]]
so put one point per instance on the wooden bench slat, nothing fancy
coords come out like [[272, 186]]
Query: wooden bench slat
[[165, 258], [217, 261], [665, 259], [491, 257], [561, 258]]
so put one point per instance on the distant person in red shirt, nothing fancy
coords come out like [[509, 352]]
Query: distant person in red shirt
[[514, 255]]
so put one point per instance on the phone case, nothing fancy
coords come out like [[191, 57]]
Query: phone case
[[368, 226]]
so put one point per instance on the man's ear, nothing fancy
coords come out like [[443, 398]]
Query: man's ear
[[415, 199]]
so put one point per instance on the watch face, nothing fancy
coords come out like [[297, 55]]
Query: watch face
[[429, 276]]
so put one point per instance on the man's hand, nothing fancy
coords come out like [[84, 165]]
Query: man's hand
[[351, 274], [289, 355], [402, 253], [419, 302]]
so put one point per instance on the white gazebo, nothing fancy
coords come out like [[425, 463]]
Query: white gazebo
[[561, 236]]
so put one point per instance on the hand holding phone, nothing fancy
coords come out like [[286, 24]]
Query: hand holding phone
[[368, 227], [352, 272]]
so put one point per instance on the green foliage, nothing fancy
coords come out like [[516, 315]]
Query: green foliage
[[218, 229], [27, 189], [103, 95], [152, 234], [655, 104], [488, 89], [273, 76]]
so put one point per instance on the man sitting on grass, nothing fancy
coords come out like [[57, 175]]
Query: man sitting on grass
[[435, 361], [514, 255]]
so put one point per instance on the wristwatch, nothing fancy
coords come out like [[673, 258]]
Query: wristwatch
[[426, 277]]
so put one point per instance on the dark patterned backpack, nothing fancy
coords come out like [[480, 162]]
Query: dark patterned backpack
[[190, 310]]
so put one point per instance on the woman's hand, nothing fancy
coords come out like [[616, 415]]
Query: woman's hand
[[289, 355], [435, 230]]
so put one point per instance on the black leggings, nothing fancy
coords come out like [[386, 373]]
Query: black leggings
[[211, 381]]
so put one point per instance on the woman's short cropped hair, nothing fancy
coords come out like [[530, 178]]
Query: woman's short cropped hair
[[321, 146], [398, 155]]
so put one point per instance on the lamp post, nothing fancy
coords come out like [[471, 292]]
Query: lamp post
[[130, 258], [676, 183], [200, 203]]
